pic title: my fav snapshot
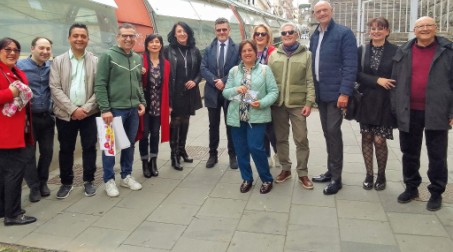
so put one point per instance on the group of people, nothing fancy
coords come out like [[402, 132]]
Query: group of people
[[261, 89]]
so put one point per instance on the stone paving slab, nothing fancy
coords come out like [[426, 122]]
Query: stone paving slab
[[202, 209]]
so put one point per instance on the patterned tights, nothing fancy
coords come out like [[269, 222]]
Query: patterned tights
[[368, 140]]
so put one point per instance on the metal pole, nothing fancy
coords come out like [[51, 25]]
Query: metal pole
[[413, 18], [362, 21]]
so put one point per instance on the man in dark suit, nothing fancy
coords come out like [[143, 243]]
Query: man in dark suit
[[218, 59]]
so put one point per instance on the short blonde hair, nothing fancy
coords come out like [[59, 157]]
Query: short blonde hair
[[268, 30]]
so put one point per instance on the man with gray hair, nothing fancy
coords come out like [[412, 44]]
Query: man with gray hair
[[291, 66], [422, 101], [334, 50]]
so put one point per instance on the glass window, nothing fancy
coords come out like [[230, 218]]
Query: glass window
[[174, 8], [25, 19]]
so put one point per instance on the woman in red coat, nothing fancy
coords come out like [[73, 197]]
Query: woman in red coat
[[15, 134], [155, 88]]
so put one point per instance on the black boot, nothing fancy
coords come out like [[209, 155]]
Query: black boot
[[185, 156], [175, 162], [174, 136], [153, 167], [183, 131], [146, 169]]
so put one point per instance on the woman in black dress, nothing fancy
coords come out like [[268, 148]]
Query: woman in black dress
[[374, 115], [185, 99]]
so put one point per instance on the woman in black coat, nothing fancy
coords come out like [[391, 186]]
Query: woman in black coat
[[374, 115], [185, 99]]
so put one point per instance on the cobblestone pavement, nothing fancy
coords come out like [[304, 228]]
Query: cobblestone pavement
[[202, 209]]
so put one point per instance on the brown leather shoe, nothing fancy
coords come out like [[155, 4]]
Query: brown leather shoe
[[246, 186], [306, 183], [266, 187], [283, 176]]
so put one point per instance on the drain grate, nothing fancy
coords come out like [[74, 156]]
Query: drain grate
[[196, 152], [78, 176], [447, 196]]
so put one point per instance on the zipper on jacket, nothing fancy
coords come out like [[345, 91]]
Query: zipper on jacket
[[130, 79]]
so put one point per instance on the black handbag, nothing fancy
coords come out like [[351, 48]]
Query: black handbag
[[353, 105], [354, 100]]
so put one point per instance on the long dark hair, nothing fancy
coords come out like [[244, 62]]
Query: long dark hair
[[148, 39], [190, 35]]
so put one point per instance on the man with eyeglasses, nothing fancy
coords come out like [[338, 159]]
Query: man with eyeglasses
[[218, 59], [291, 66], [334, 51], [422, 102], [119, 94], [37, 69], [72, 87]]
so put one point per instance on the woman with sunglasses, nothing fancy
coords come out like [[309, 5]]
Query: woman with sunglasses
[[374, 115], [185, 98], [155, 87], [292, 68], [262, 36], [15, 135]]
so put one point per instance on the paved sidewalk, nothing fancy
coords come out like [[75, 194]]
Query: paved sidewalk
[[202, 209]]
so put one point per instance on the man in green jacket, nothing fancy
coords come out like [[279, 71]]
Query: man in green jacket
[[119, 93], [291, 65]]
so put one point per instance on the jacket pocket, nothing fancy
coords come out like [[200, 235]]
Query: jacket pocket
[[297, 95]]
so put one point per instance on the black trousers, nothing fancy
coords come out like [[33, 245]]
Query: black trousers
[[331, 119], [214, 127], [67, 136], [12, 167], [43, 132], [149, 144], [436, 145]]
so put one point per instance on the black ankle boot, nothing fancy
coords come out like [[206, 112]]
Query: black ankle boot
[[146, 169], [368, 182], [175, 162], [185, 156], [153, 167]]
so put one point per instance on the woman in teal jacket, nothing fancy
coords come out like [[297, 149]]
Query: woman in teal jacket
[[252, 89]]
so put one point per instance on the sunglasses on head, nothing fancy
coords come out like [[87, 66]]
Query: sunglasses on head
[[262, 34], [285, 33]]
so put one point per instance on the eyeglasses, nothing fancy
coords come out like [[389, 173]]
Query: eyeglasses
[[10, 50], [262, 34], [377, 28], [221, 30], [286, 33], [428, 26], [131, 36]]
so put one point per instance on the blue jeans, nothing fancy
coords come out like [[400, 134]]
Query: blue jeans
[[130, 124], [249, 141]]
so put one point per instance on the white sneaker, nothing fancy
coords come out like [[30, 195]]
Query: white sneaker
[[111, 189], [131, 183], [276, 161]]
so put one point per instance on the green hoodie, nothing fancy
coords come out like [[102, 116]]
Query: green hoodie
[[118, 80]]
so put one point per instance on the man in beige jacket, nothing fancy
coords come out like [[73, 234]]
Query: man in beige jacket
[[72, 87]]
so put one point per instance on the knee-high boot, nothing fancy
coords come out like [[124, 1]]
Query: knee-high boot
[[183, 131], [174, 142]]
